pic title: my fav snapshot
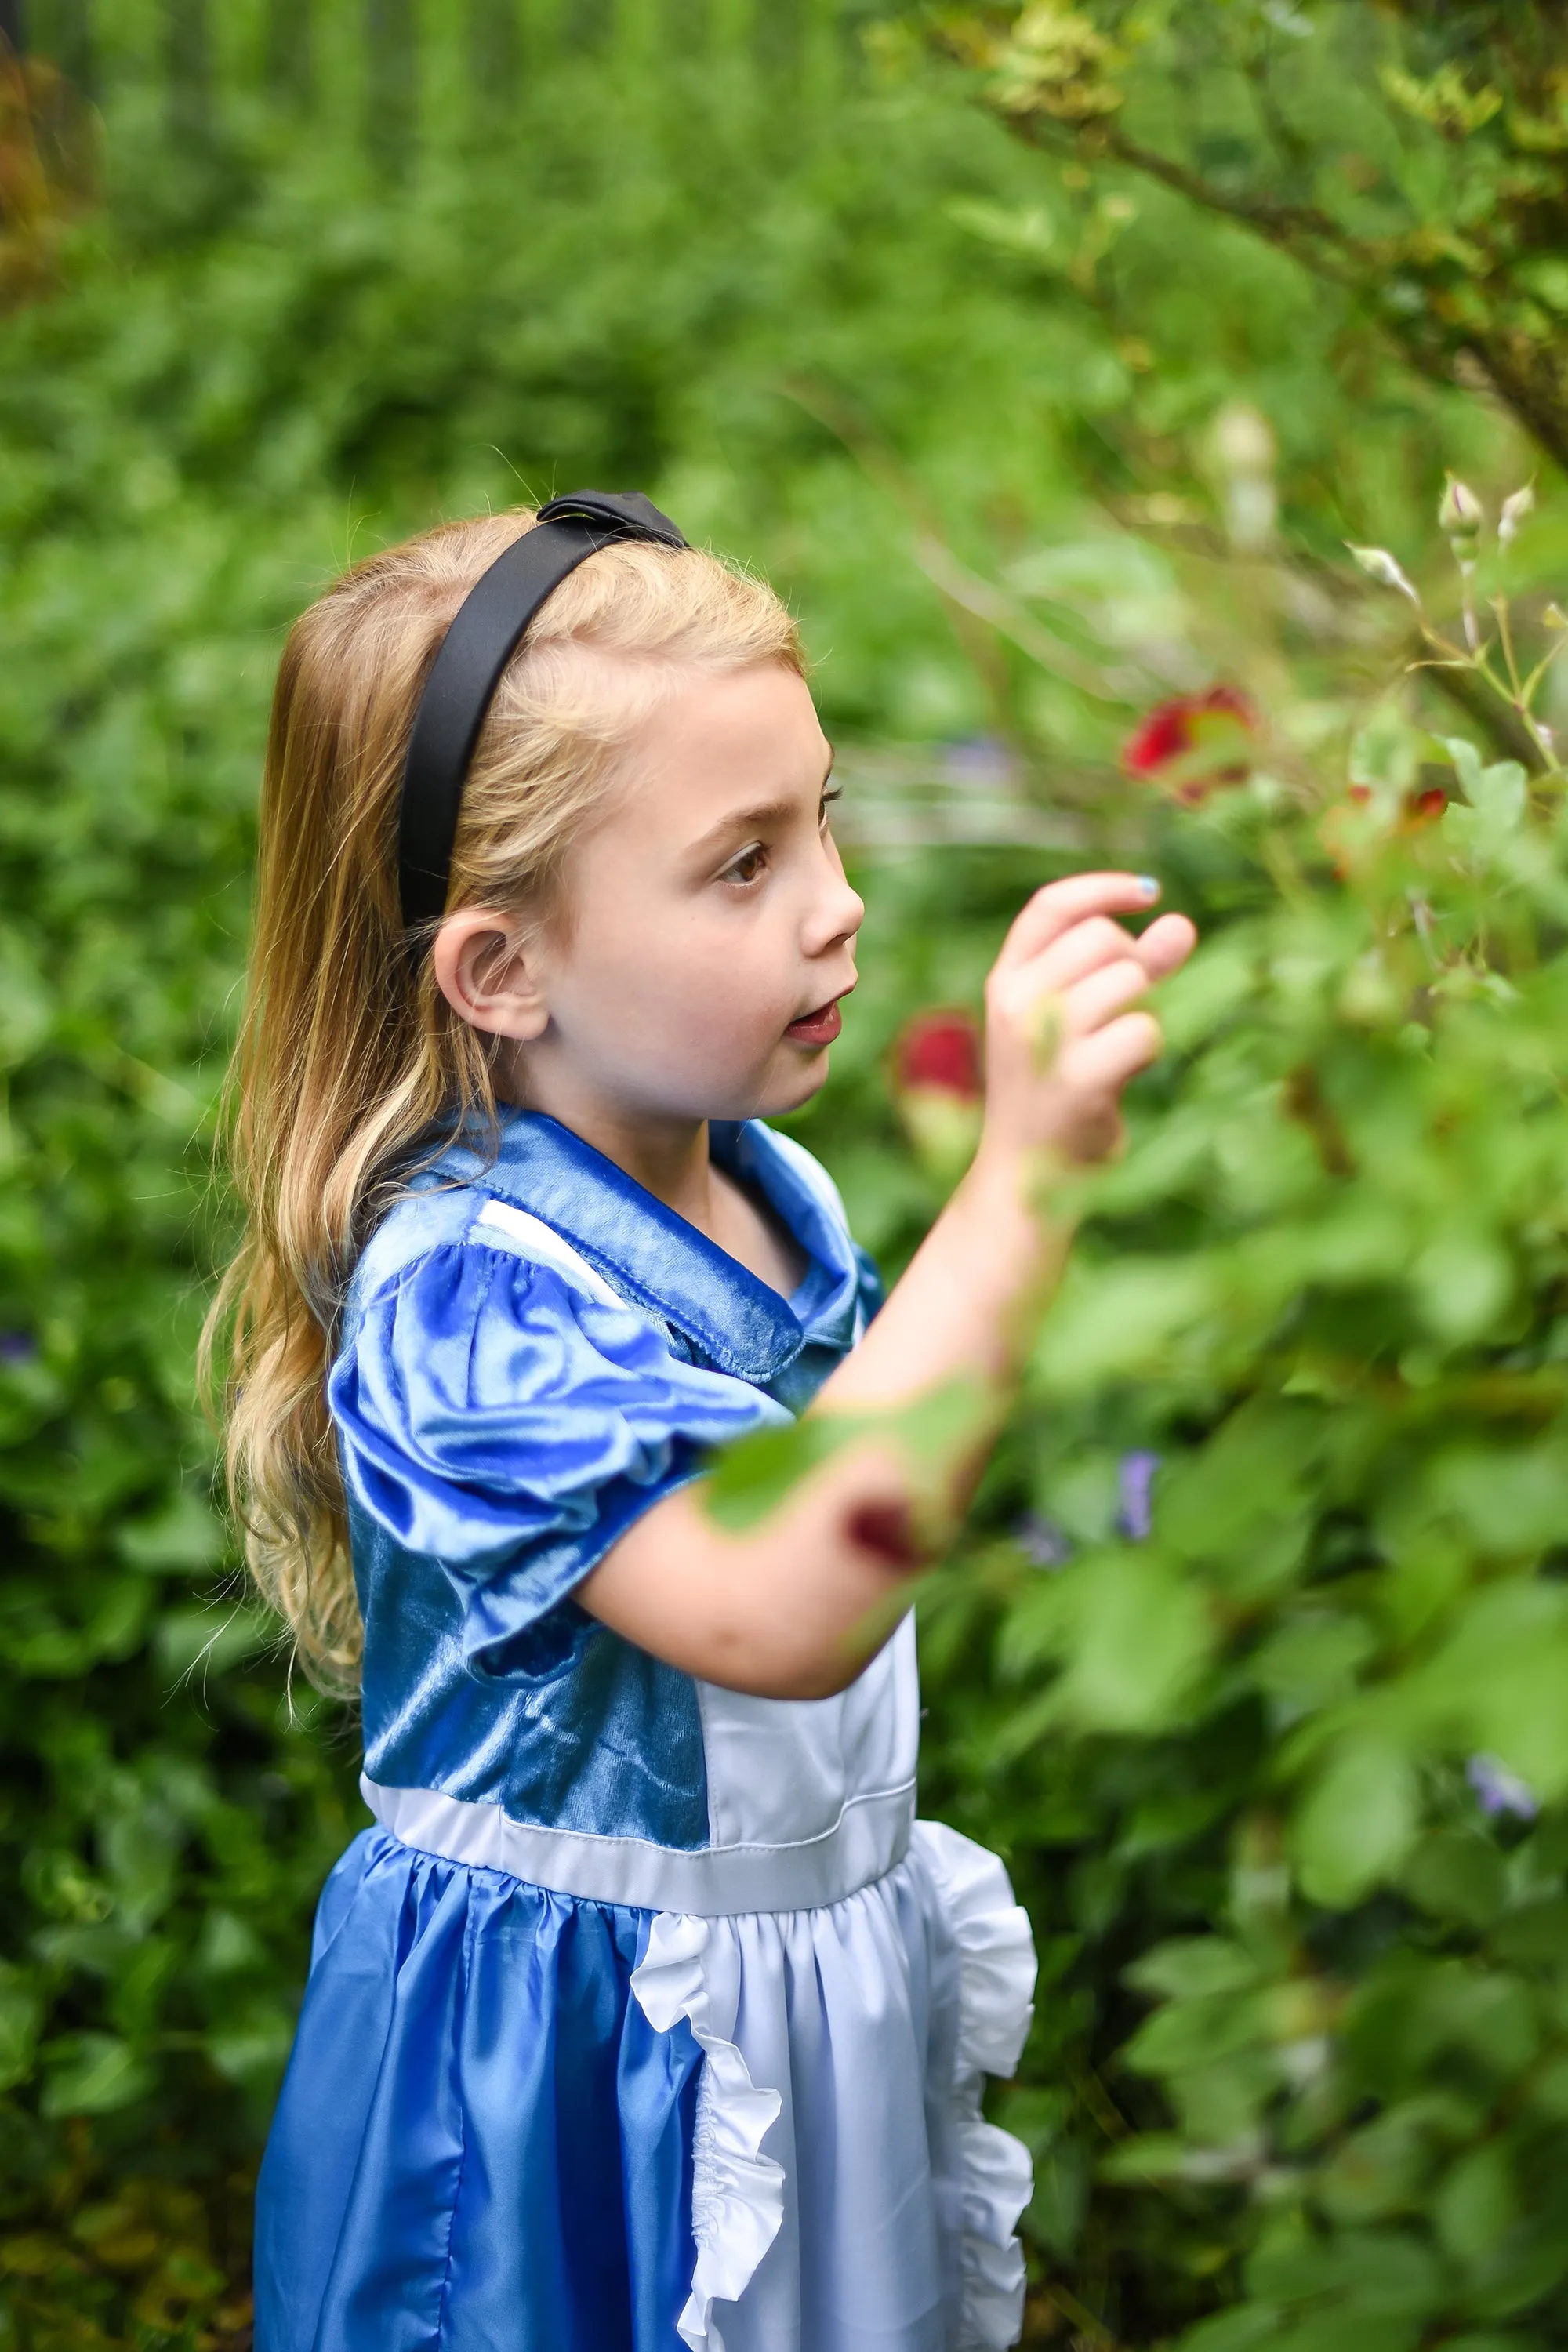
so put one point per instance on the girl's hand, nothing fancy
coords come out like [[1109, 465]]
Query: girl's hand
[[793, 1608], [1060, 1042]]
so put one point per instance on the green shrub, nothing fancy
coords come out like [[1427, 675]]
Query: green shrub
[[1255, 1660], [1298, 2042]]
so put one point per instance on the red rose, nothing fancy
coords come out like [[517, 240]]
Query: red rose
[[937, 1088], [1192, 742], [942, 1050]]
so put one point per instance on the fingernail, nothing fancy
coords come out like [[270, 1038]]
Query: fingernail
[[1149, 885]]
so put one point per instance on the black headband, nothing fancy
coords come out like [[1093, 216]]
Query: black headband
[[488, 627]]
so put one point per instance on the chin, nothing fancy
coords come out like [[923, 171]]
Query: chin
[[788, 1091]]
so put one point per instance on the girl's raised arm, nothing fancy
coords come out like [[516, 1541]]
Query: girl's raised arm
[[793, 1607]]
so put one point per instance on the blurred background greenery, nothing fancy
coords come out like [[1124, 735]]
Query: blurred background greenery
[[1046, 359]]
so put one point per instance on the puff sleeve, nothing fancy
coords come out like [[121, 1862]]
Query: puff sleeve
[[496, 1420]]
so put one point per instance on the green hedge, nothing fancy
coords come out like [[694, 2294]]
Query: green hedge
[[1299, 2030]]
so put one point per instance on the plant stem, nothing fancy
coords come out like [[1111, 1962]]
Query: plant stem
[[1521, 695]]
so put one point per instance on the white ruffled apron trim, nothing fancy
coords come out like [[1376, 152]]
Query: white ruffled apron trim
[[737, 2199], [737, 2192], [996, 1987]]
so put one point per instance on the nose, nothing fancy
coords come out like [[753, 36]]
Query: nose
[[837, 915]]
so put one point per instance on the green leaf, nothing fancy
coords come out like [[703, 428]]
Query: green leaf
[[177, 1539], [1243, 2330], [1493, 2339], [1193, 1966], [753, 1477], [1313, 1660], [1123, 1320], [1378, 2171], [1536, 1935], [1384, 2274], [1355, 1823], [1216, 984], [1054, 2215], [1477, 2203], [93, 2074], [253, 2048], [1462, 1281], [1468, 766], [1495, 1684], [202, 1643], [21, 2014], [1457, 1874], [27, 1010], [1030, 232], [1498, 798], [1385, 753], [1194, 2033], [1144, 2157], [1500, 793], [1140, 1637]]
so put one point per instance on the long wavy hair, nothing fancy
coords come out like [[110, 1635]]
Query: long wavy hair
[[350, 1066]]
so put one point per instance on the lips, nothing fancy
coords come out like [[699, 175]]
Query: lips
[[818, 1028]]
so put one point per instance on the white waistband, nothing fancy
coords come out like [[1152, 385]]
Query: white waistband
[[870, 1835]]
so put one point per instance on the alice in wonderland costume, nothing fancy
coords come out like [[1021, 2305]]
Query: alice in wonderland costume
[[647, 2015]]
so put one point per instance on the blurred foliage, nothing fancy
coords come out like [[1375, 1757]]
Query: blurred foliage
[[1251, 1661], [1416, 154]]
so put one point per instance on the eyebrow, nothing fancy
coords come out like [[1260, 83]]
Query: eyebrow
[[751, 820]]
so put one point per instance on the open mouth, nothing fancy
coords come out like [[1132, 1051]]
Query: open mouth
[[818, 1028]]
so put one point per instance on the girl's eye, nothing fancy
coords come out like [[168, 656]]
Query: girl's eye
[[748, 866], [828, 800]]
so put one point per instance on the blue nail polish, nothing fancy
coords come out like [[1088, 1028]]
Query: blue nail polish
[[1149, 885]]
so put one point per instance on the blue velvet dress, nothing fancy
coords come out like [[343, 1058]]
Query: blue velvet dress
[[646, 2016]]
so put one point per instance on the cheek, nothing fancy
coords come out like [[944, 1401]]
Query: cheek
[[721, 964], [686, 992]]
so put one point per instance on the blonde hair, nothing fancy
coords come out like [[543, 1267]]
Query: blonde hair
[[352, 1067]]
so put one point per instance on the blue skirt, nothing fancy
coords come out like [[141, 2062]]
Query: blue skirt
[[482, 2143]]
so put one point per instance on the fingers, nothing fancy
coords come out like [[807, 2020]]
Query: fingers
[[1060, 905], [1095, 940], [1088, 947], [1086, 1003], [1103, 1062], [1092, 1002], [1165, 946]]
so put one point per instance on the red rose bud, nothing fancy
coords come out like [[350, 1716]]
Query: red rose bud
[[1416, 808], [942, 1050], [1359, 828], [1193, 742], [939, 1092]]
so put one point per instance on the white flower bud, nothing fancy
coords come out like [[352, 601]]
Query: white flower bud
[[1461, 514], [1243, 439], [1379, 565], [1516, 513]]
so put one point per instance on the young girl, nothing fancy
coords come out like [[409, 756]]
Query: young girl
[[647, 2015]]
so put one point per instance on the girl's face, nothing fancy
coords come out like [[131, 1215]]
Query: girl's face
[[707, 931]]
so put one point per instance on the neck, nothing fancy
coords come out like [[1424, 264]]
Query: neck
[[667, 1156]]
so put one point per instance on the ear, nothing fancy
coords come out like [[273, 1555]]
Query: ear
[[483, 970]]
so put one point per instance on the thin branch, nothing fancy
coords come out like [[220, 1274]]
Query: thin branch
[[1286, 225], [848, 424], [988, 603], [1086, 2321], [1465, 690]]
